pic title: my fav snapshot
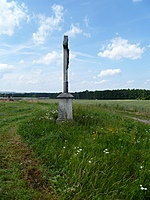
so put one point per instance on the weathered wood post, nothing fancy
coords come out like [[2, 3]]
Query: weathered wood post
[[65, 98]]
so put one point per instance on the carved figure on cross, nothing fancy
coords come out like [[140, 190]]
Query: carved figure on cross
[[65, 64]]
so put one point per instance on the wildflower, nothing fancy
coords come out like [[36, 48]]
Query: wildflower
[[141, 167], [142, 188], [78, 150], [54, 111], [64, 147], [106, 151], [90, 161]]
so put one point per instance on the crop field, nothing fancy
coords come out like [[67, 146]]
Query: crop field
[[103, 154]]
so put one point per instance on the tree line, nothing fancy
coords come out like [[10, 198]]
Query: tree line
[[106, 94], [114, 94]]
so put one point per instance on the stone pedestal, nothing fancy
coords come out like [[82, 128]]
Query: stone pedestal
[[64, 107]]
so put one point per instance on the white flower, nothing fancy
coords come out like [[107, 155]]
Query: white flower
[[106, 151], [142, 188], [90, 161]]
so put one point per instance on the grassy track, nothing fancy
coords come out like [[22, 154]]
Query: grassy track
[[101, 155], [21, 175]]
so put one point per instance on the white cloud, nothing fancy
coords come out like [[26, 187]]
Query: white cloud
[[88, 35], [11, 15], [130, 81], [109, 72], [74, 30], [53, 57], [147, 81], [101, 82], [136, 0], [121, 48], [21, 61], [6, 68], [72, 56], [86, 21], [48, 24], [36, 80]]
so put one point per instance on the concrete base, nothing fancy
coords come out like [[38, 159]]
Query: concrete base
[[64, 107]]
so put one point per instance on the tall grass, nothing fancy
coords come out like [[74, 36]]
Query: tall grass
[[100, 155], [134, 107]]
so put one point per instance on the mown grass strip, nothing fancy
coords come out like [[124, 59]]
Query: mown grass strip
[[21, 175]]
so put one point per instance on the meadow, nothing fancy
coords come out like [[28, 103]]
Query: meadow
[[103, 154]]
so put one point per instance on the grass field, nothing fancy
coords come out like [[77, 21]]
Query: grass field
[[132, 107], [100, 155]]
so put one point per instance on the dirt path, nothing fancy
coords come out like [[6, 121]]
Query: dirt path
[[140, 120]]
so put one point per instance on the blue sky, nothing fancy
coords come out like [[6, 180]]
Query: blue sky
[[109, 42]]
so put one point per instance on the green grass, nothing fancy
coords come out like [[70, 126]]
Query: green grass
[[102, 154], [133, 107], [20, 172], [139, 108]]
